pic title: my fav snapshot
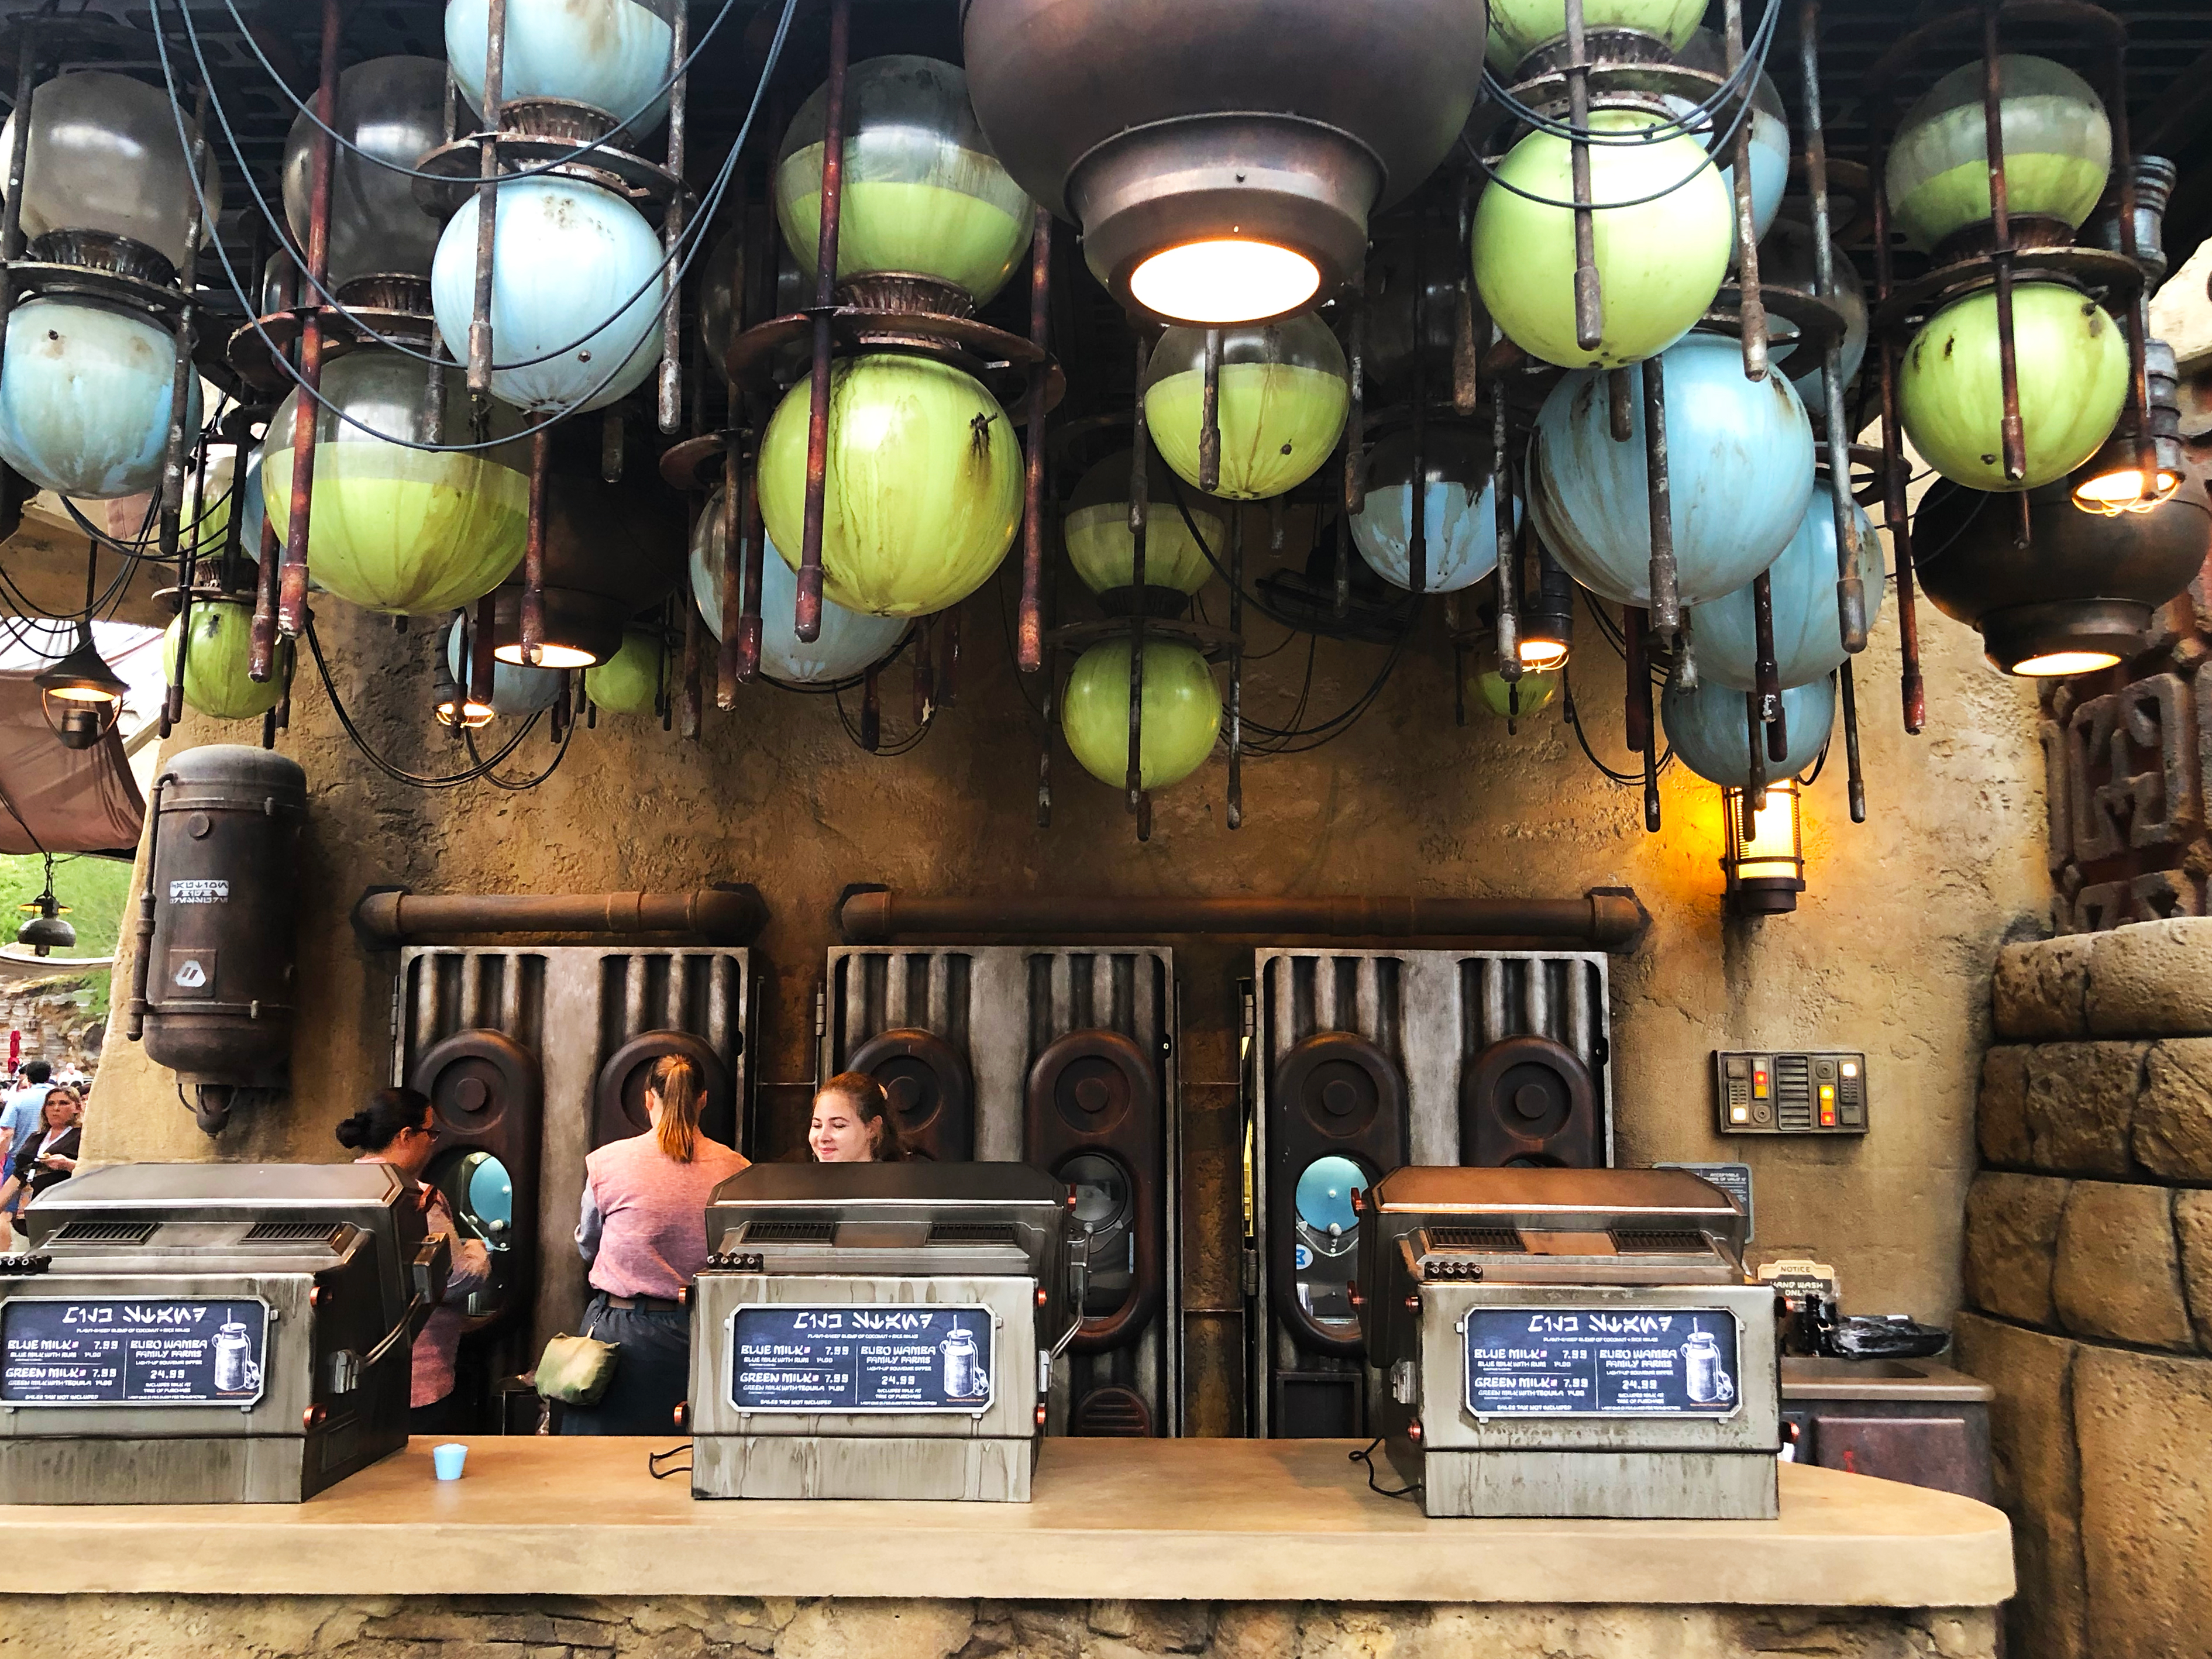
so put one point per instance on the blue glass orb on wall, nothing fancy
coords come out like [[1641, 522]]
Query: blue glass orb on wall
[[1459, 508], [851, 641], [611, 54], [85, 395], [575, 274], [1808, 634], [1740, 472], [1710, 729]]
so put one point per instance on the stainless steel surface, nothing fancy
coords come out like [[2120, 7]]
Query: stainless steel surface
[[1005, 1013], [326, 1248]]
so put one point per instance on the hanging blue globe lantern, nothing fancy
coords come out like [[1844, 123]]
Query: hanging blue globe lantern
[[612, 55], [1741, 472], [514, 690], [576, 272], [1459, 508], [85, 395], [851, 641], [1710, 729], [1807, 634]]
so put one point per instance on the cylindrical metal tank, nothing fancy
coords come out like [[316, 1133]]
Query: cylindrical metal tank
[[212, 989]]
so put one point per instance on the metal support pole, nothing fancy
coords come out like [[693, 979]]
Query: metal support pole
[[1767, 700], [2012, 438], [1416, 537], [1509, 564], [1666, 602], [1852, 742], [483, 665], [19, 149], [730, 664], [1235, 809], [1209, 416], [754, 540], [1466, 350], [180, 439], [1590, 303], [1850, 590], [1913, 686], [292, 580], [531, 627], [2123, 163], [692, 716], [1755, 777], [1619, 404], [671, 228], [1635, 631], [807, 612], [1355, 425], [872, 709], [480, 331], [1751, 312], [1139, 513], [1029, 625]]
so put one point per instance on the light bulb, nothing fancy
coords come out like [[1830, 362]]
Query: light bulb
[[549, 656], [2121, 490], [1224, 280], [2054, 664]]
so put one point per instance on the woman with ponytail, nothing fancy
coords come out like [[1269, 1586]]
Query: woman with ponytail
[[644, 1233]]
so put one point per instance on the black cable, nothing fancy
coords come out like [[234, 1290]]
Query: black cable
[[654, 1459], [1573, 718], [398, 774], [512, 786], [1366, 1455]]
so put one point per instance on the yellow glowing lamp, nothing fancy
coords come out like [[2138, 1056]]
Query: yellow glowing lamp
[[1764, 860], [2109, 491], [1226, 279]]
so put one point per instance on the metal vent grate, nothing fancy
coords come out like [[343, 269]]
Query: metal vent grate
[[790, 1232], [1659, 1242], [973, 1232], [1497, 1241], [1793, 1091], [1113, 1411], [105, 1232], [293, 1232]]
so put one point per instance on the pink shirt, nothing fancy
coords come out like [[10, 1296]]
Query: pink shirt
[[644, 1223]]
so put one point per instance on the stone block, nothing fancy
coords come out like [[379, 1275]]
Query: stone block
[[876, 1630], [2192, 1231], [2012, 1244], [1173, 1627], [2172, 1128], [2119, 1272], [2001, 1107], [2081, 1104], [2040, 989], [2142, 1422], [2152, 979], [1255, 1630], [2038, 1479]]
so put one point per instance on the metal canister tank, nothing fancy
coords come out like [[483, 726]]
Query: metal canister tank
[[211, 989]]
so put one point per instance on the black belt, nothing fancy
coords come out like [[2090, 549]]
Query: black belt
[[643, 1304]]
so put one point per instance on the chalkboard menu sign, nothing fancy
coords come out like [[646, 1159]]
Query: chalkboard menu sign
[[118, 1350], [784, 1358], [1613, 1361]]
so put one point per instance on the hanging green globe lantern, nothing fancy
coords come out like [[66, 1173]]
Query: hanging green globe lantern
[[2057, 152], [2073, 368], [1660, 263], [923, 194], [628, 683], [1181, 712], [1097, 531], [1284, 393], [1518, 28], [215, 680], [925, 484], [407, 532], [1514, 700]]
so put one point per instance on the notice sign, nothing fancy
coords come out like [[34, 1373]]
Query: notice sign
[[125, 1351], [1600, 1362], [886, 1359]]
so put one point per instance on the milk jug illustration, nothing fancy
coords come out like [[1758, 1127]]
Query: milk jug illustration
[[1708, 1382], [963, 1370], [235, 1369]]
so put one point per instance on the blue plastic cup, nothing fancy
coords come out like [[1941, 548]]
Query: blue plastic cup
[[448, 1459]]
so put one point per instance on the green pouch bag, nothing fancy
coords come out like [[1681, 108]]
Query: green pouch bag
[[576, 1369]]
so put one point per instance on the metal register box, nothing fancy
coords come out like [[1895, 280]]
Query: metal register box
[[877, 1330], [210, 1333], [1569, 1342]]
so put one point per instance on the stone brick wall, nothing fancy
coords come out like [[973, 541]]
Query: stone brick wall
[[2089, 1271], [258, 1628]]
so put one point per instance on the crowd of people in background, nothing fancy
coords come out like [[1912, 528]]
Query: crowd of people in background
[[42, 1126]]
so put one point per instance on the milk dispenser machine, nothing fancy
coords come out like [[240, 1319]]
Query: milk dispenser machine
[[1569, 1342], [878, 1330], [211, 1333]]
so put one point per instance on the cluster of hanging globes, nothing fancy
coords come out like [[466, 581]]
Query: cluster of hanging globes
[[925, 466]]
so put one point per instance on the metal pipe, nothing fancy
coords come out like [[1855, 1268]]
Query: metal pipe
[[180, 438], [530, 630], [925, 688], [1030, 626], [1508, 566], [483, 665], [1610, 919], [755, 539], [1751, 313], [1912, 685], [1416, 538], [1236, 808], [1139, 514], [1852, 742], [2012, 437], [388, 918], [872, 708], [1355, 424], [1635, 631], [261, 646], [19, 150], [1209, 416], [1590, 303], [671, 228], [1666, 600], [1754, 781], [1620, 405], [292, 580], [142, 944], [1850, 590], [480, 337], [731, 664], [692, 714], [2138, 333], [1767, 710], [1466, 354], [808, 611]]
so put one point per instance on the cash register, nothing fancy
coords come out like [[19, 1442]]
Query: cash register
[[211, 1333], [878, 1330], [1553, 1342]]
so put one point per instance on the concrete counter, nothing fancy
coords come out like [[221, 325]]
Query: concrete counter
[[1198, 1520]]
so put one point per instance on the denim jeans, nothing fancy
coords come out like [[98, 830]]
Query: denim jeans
[[653, 1371]]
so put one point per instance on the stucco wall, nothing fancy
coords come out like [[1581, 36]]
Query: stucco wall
[[1890, 951]]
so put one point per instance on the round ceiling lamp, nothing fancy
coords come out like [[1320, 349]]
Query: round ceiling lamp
[[2079, 597], [1222, 160]]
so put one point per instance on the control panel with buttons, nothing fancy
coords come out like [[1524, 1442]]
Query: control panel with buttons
[[1817, 1093]]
